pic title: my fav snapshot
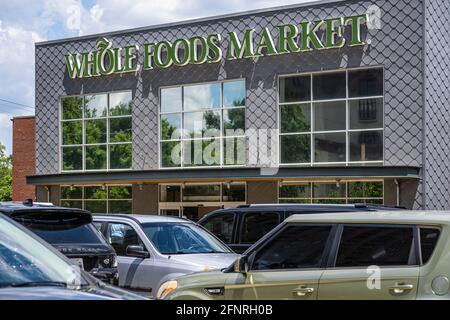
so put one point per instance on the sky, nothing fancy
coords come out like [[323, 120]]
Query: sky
[[24, 22]]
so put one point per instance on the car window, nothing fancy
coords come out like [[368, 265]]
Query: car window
[[256, 224], [221, 225], [97, 225], [182, 238], [380, 246], [428, 241], [295, 247], [121, 235]]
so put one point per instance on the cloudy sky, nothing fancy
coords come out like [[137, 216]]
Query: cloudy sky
[[24, 22]]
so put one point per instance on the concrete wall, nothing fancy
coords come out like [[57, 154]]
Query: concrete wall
[[145, 199]]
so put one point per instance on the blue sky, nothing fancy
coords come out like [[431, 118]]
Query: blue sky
[[24, 22]]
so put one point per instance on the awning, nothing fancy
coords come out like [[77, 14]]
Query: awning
[[227, 174]]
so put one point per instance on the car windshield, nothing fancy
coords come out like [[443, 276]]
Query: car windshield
[[26, 261], [62, 228], [182, 238]]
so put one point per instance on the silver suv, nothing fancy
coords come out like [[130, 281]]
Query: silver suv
[[153, 249]]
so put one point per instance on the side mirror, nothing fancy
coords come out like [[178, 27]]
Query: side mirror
[[137, 252], [241, 265]]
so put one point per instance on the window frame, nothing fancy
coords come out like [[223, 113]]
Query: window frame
[[264, 241], [347, 130], [331, 264], [222, 136], [84, 144]]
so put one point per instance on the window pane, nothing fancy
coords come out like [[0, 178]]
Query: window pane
[[296, 247], [329, 147], [205, 96], [234, 150], [329, 190], [200, 193], [171, 100], [171, 154], [201, 152], [71, 193], [380, 246], [171, 126], [120, 104], [120, 129], [233, 192], [196, 124], [295, 118], [428, 241], [72, 158], [96, 206], [170, 194], [72, 108], [120, 192], [72, 204], [95, 106], [366, 113], [365, 83], [234, 122], [257, 224], [329, 86], [295, 89], [366, 146], [329, 116], [95, 192], [122, 206], [296, 149], [296, 191], [95, 157], [329, 201], [95, 131], [72, 132], [234, 94], [365, 189], [221, 226], [120, 236], [295, 200], [120, 156]]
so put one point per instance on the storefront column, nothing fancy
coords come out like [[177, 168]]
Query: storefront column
[[145, 199], [259, 192], [408, 192]]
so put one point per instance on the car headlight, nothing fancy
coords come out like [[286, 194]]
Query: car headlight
[[166, 288]]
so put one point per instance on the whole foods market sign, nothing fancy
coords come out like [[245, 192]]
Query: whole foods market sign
[[290, 38]]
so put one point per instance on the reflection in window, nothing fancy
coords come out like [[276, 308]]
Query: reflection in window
[[98, 199], [98, 129], [337, 120], [203, 125]]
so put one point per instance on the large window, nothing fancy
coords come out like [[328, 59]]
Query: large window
[[203, 125], [332, 192], [98, 199], [332, 118], [214, 192], [96, 132]]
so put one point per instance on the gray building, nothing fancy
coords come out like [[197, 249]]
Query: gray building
[[347, 99]]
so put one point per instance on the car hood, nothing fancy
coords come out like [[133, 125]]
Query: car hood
[[206, 261], [56, 293]]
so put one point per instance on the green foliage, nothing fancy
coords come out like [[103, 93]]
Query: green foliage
[[5, 175]]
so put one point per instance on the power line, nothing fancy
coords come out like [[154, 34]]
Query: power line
[[16, 103], [12, 111]]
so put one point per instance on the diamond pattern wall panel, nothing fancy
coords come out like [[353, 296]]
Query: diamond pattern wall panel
[[396, 46], [437, 111]]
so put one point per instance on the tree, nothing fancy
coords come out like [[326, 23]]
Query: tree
[[5, 175]]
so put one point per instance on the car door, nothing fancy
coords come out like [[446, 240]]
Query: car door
[[372, 262], [288, 265], [121, 235], [253, 226]]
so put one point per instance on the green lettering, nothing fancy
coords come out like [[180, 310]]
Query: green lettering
[[198, 52], [130, 57], [89, 61], [266, 42], [309, 36], [334, 28], [149, 51], [287, 35], [74, 66], [214, 48], [356, 29], [176, 51], [236, 50], [159, 48]]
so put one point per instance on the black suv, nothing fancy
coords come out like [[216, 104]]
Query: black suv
[[71, 231], [242, 226]]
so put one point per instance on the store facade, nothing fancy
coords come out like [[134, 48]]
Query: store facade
[[327, 102]]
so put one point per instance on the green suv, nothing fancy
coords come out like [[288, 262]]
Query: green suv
[[355, 255]]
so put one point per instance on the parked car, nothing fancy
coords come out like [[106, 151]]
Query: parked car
[[354, 255], [241, 227], [31, 269], [152, 249], [71, 232]]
